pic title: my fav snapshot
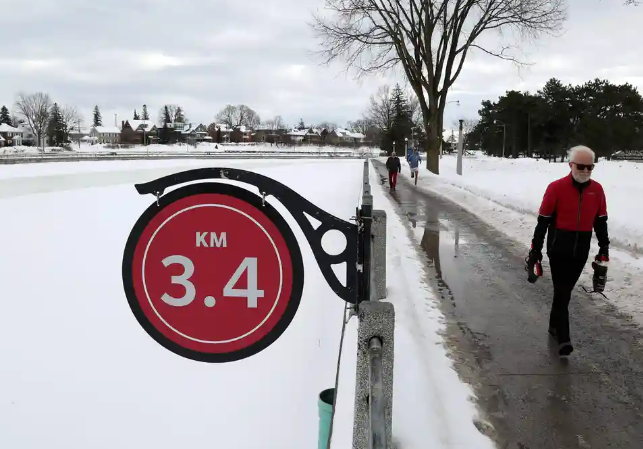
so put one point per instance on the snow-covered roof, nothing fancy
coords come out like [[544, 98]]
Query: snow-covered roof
[[143, 125], [1, 139], [107, 129], [296, 132], [4, 128], [341, 132]]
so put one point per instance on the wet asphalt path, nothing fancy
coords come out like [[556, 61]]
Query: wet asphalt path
[[497, 329]]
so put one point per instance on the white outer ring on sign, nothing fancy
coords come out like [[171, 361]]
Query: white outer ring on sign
[[281, 274]]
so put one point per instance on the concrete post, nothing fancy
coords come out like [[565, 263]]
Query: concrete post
[[378, 254], [376, 319], [366, 182]]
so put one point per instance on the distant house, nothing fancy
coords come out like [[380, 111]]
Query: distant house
[[77, 134], [11, 136], [341, 135], [106, 134], [191, 132], [314, 136], [266, 135], [138, 132], [296, 135], [28, 136]]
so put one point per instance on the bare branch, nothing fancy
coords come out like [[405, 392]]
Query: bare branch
[[428, 39], [380, 112], [35, 108], [72, 119]]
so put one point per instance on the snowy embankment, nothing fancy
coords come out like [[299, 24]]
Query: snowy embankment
[[78, 371], [203, 147], [24, 179], [507, 193]]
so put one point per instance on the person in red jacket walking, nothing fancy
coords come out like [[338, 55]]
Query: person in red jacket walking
[[571, 207], [394, 166]]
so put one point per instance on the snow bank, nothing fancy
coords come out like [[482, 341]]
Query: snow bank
[[200, 148], [507, 194], [78, 371], [432, 407], [519, 184]]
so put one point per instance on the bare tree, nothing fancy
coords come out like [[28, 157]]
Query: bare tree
[[278, 123], [361, 125], [35, 110], [468, 125], [250, 118], [235, 116], [430, 40], [275, 123], [72, 119], [328, 125], [380, 112]]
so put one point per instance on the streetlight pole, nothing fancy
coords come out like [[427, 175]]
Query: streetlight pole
[[504, 135], [460, 149]]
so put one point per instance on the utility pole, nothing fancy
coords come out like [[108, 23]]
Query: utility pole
[[460, 149], [529, 151]]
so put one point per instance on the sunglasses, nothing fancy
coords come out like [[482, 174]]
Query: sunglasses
[[582, 167]]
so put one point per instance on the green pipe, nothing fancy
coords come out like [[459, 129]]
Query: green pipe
[[325, 408]]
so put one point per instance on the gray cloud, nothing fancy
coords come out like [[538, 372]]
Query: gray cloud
[[203, 54]]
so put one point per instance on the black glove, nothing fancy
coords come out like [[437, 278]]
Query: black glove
[[534, 267], [603, 255], [535, 255]]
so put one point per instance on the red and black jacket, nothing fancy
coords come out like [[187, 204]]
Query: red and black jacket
[[393, 164], [568, 213]]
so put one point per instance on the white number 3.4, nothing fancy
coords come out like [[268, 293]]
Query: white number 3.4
[[251, 293]]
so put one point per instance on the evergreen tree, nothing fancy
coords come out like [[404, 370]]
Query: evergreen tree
[[301, 126], [402, 122], [167, 118], [98, 120], [145, 115], [56, 127], [179, 117], [218, 135], [164, 134], [136, 116], [5, 117]]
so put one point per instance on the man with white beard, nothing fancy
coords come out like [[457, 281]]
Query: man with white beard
[[572, 206]]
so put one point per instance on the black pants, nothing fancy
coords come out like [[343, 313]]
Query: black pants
[[565, 272]]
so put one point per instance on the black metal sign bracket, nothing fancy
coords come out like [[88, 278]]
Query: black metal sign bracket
[[297, 206]]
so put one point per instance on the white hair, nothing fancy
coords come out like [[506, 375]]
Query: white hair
[[580, 149]]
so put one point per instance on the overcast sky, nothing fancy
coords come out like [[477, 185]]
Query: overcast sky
[[203, 54]]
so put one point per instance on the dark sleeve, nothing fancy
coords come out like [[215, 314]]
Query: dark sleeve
[[545, 217], [388, 163], [600, 226]]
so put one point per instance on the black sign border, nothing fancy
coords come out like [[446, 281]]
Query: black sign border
[[273, 215]]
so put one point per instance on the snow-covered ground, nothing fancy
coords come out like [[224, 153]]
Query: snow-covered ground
[[506, 193], [77, 370], [183, 148]]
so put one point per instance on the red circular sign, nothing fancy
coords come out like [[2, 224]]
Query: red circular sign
[[213, 274]]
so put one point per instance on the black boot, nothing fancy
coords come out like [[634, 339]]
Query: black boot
[[564, 349]]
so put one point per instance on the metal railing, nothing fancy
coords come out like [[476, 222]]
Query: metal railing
[[374, 386]]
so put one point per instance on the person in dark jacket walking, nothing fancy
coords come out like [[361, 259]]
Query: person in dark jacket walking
[[394, 166], [571, 207]]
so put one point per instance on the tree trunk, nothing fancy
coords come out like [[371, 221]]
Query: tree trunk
[[432, 150]]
